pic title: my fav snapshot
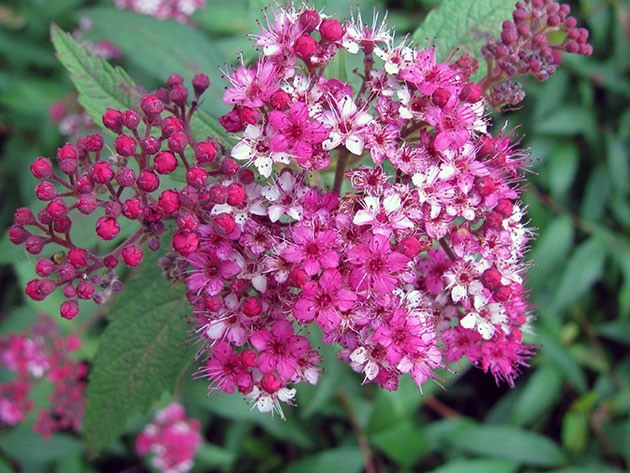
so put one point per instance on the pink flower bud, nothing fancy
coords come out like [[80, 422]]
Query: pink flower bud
[[130, 119], [151, 106], [85, 290], [33, 244], [245, 176], [45, 191], [205, 152], [150, 145], [110, 262], [504, 208], [112, 120], [509, 36], [491, 278], [69, 166], [45, 287], [152, 213], [69, 310], [86, 204], [125, 145], [224, 223], [187, 221], [440, 97], [309, 20], [107, 228], [305, 46], [236, 194], [148, 181], [69, 291], [171, 125], [31, 291], [493, 220], [84, 185], [185, 243], [280, 100], [169, 201], [251, 306], [218, 194], [126, 177], [66, 271], [196, 177], [62, 225], [502, 293], [470, 93], [177, 142], [44, 217], [179, 95], [173, 80], [229, 167], [17, 234], [165, 162], [271, 382], [102, 172], [132, 255], [485, 186], [24, 216], [44, 267], [77, 257], [94, 143], [42, 168], [410, 246], [331, 30], [131, 208], [200, 83], [57, 208], [67, 152], [249, 115]]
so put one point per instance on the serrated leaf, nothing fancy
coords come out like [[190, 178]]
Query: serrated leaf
[[464, 25], [510, 443], [101, 86], [140, 355], [337, 460]]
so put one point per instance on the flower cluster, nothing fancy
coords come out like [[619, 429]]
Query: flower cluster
[[178, 10], [419, 264], [172, 439], [529, 45], [42, 354]]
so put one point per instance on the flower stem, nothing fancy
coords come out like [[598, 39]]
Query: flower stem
[[364, 446], [341, 167]]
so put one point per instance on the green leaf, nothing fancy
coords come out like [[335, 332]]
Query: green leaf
[[101, 86], [140, 355], [337, 460], [585, 266], [618, 157], [26, 445], [511, 443], [463, 25], [404, 443], [551, 249], [562, 167], [562, 360], [210, 455], [480, 465], [574, 431], [542, 390]]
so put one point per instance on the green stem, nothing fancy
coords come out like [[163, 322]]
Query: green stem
[[341, 168]]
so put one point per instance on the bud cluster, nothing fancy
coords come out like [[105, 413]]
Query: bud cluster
[[529, 45], [179, 10], [34, 356], [172, 439], [123, 185]]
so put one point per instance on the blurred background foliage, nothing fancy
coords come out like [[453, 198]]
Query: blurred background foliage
[[568, 413]]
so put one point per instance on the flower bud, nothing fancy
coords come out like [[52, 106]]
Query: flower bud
[[62, 225], [125, 145], [185, 243], [224, 223], [33, 244], [229, 167], [251, 306], [77, 257], [112, 120], [151, 106], [86, 204], [150, 145], [231, 121], [171, 125], [113, 209], [153, 244], [132, 255], [218, 194], [331, 30], [42, 168], [44, 267], [130, 119], [94, 143], [179, 95], [245, 176], [205, 152], [148, 181], [169, 201], [440, 97], [131, 208], [126, 177], [280, 100], [24, 216], [236, 194], [485, 186], [309, 20], [177, 142], [504, 208], [173, 80], [107, 228], [69, 309], [305, 46], [69, 166], [187, 221], [110, 262], [84, 185], [17, 234], [196, 177], [249, 115], [152, 213], [66, 271], [200, 84], [102, 172], [165, 162], [470, 93], [57, 208], [85, 290]]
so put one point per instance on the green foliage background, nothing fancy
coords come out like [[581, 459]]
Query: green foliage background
[[568, 413]]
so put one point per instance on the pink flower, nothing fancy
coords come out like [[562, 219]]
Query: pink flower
[[376, 265], [209, 273], [279, 349], [225, 369], [313, 249], [300, 133], [324, 299], [347, 123], [252, 88]]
